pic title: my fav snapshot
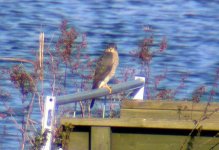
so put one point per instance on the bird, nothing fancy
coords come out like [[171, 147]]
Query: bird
[[105, 69]]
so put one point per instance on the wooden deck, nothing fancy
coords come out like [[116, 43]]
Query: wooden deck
[[153, 125]]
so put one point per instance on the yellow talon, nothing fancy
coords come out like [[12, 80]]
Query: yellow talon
[[108, 88]]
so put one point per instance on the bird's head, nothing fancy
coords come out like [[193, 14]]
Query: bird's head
[[111, 48]]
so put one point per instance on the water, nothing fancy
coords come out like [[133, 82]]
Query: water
[[190, 27]]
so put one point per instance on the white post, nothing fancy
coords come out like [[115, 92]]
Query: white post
[[139, 95], [48, 120]]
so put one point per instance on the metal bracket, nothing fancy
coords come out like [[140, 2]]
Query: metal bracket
[[48, 120], [139, 95]]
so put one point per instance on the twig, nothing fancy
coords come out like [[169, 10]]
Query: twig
[[202, 118], [32, 123], [53, 68], [27, 121], [18, 60], [82, 109], [185, 141], [16, 124], [41, 58]]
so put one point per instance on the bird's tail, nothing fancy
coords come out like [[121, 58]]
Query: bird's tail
[[92, 103], [95, 86]]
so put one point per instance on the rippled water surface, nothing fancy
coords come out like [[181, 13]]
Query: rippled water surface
[[190, 27]]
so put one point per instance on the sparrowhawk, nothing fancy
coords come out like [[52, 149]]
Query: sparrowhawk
[[105, 69]]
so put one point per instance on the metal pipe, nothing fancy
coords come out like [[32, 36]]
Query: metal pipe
[[130, 85]]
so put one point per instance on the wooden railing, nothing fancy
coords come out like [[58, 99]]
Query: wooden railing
[[153, 125]]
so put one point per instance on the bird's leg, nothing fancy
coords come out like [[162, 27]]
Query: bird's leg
[[108, 88]]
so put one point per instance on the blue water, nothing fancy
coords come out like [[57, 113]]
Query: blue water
[[191, 28]]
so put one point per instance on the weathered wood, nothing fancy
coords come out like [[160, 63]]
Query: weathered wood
[[168, 114], [142, 123], [160, 125], [168, 105], [171, 111], [130, 141], [78, 141], [100, 138]]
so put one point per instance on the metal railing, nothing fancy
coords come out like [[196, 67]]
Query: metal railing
[[85, 95], [51, 102]]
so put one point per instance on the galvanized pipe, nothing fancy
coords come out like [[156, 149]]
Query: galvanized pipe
[[85, 95]]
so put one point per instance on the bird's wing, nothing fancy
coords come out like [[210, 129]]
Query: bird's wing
[[103, 68]]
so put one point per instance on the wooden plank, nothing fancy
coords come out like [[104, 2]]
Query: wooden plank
[[142, 123], [130, 141], [78, 141], [167, 105], [100, 138], [152, 115], [167, 114]]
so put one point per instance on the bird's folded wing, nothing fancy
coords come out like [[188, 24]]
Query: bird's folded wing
[[103, 68]]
